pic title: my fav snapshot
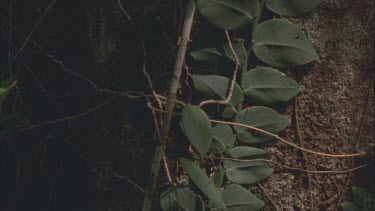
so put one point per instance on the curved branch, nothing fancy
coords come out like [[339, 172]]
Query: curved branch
[[291, 144], [171, 100]]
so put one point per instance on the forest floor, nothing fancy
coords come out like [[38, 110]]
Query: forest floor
[[330, 109]]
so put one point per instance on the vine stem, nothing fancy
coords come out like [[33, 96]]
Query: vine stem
[[172, 95], [28, 38], [341, 195], [291, 144], [268, 196], [233, 82], [297, 169], [300, 139]]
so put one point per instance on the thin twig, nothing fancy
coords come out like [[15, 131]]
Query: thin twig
[[150, 106], [300, 138], [166, 165], [234, 78], [129, 181], [157, 129], [43, 89], [163, 98], [10, 38], [129, 94], [148, 77], [172, 96], [67, 117], [297, 169], [166, 37], [357, 138], [54, 59], [291, 144], [144, 66], [269, 197], [28, 38]]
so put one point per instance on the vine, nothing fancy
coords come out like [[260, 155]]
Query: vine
[[244, 104], [236, 112]]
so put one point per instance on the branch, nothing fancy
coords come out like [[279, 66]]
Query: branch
[[28, 38], [341, 195], [233, 82], [67, 117], [128, 94], [290, 144], [298, 169], [129, 181], [144, 66], [173, 88], [300, 138], [269, 197]]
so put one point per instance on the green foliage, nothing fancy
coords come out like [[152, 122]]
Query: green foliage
[[197, 128], [218, 59], [5, 86], [183, 197], [237, 198], [231, 15], [260, 117], [223, 139], [281, 43], [244, 172], [219, 177], [267, 86], [348, 206], [277, 43], [216, 87], [362, 200], [202, 181], [292, 7]]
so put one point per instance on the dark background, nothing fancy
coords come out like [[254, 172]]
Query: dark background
[[70, 165]]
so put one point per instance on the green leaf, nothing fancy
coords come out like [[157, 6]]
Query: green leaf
[[281, 43], [223, 139], [267, 86], [219, 177], [231, 15], [219, 59], [291, 8], [262, 118], [348, 206], [363, 198], [359, 195], [247, 172], [370, 201], [5, 86], [187, 200], [216, 87], [202, 181], [197, 128], [237, 198]]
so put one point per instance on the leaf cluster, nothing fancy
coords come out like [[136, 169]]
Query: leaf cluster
[[277, 43]]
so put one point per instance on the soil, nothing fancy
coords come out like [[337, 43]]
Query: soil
[[330, 108]]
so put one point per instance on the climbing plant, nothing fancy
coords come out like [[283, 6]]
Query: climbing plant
[[362, 200], [246, 97]]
